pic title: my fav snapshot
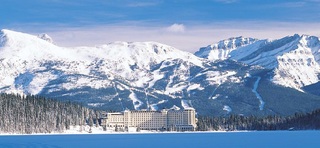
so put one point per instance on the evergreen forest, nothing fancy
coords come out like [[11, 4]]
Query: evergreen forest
[[34, 114], [298, 121]]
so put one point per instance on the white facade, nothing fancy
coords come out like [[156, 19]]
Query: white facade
[[181, 120]]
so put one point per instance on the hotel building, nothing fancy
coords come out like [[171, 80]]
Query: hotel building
[[164, 120]]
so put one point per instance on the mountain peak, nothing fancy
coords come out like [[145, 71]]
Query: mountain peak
[[149, 47], [296, 35], [233, 42], [236, 38], [301, 36], [45, 37], [17, 39], [26, 46], [145, 52], [221, 49], [306, 36]]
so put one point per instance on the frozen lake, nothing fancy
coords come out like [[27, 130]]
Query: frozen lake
[[167, 140]]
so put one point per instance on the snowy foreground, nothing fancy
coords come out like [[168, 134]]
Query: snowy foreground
[[73, 130], [76, 130]]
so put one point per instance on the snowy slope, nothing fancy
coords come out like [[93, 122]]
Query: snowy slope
[[300, 66], [293, 59], [26, 47], [33, 65], [25, 54]]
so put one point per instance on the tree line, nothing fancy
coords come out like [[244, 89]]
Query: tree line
[[298, 121], [35, 114]]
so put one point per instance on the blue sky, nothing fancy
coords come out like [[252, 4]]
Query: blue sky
[[185, 24]]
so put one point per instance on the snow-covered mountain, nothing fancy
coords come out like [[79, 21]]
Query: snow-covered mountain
[[150, 75], [31, 65], [222, 49], [293, 59], [132, 61]]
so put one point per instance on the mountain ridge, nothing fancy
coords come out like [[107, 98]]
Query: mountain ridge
[[224, 47], [298, 54], [149, 75]]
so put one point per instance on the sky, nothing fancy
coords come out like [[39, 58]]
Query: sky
[[184, 24]]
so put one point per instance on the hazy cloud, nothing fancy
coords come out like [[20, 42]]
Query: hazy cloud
[[176, 28]]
